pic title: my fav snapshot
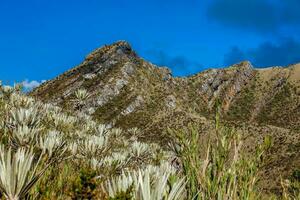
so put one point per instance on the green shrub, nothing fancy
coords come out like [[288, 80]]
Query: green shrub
[[223, 172], [85, 185]]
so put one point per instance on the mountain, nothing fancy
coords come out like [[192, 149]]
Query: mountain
[[126, 91]]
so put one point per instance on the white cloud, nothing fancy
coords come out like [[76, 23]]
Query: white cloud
[[30, 85]]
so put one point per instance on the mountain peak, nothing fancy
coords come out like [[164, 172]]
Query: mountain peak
[[243, 65], [120, 47]]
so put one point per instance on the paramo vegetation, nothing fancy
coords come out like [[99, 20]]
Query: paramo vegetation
[[48, 153]]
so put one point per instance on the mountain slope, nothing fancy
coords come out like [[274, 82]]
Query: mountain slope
[[123, 87], [127, 91]]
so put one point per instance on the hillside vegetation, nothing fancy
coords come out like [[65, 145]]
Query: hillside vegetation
[[48, 154]]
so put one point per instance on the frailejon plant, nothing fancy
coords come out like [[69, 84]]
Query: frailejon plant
[[80, 96], [24, 136], [62, 122], [17, 100], [18, 172], [159, 189], [150, 183], [139, 149], [52, 143], [93, 146], [24, 117], [22, 127], [120, 186], [6, 91], [117, 160]]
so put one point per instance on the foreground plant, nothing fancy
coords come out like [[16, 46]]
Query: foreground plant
[[19, 172], [158, 188], [151, 183], [223, 171]]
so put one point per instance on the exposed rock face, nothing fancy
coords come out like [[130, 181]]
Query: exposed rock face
[[115, 75], [128, 92], [133, 106], [171, 102]]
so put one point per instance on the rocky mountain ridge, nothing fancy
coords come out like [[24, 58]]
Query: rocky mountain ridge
[[123, 87], [126, 91]]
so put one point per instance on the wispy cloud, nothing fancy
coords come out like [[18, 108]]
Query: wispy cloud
[[30, 85]]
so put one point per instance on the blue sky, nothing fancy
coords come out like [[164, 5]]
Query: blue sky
[[40, 39]]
